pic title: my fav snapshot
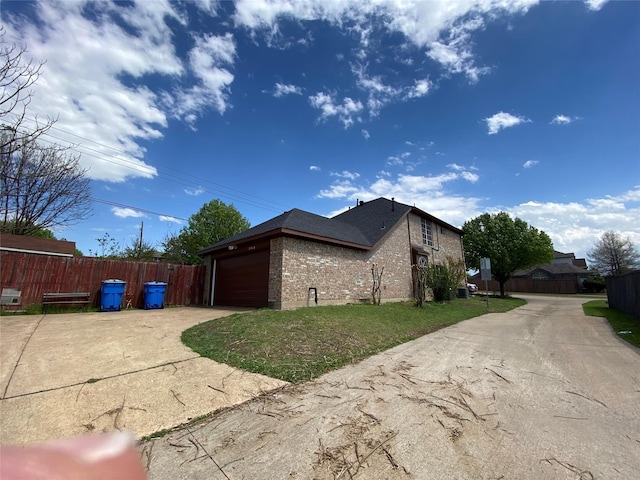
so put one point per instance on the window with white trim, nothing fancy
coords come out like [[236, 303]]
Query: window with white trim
[[427, 233]]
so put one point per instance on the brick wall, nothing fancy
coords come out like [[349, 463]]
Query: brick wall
[[343, 275]]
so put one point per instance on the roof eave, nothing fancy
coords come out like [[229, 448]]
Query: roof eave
[[282, 232]]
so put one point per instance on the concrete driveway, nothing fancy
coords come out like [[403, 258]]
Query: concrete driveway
[[69, 374], [542, 392]]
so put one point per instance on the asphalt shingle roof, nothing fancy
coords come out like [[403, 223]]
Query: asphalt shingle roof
[[363, 225], [552, 268]]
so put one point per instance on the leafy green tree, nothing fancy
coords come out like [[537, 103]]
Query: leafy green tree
[[613, 255], [509, 244], [10, 227], [214, 222]]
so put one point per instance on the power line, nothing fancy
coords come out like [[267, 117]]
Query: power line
[[137, 209], [218, 189]]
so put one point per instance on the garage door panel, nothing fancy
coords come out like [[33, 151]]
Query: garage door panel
[[243, 280]]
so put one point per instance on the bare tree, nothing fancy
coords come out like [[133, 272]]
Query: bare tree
[[613, 255], [376, 293], [41, 185], [17, 76]]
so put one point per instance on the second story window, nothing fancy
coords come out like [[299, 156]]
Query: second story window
[[427, 234]]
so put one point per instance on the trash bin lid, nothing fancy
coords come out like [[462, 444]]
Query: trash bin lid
[[113, 280], [155, 283]]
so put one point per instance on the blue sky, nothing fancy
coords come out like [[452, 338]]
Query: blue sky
[[459, 107]]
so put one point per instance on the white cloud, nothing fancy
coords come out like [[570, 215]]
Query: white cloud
[[398, 159], [442, 29], [165, 218], [365, 134], [464, 172], [314, 168], [503, 120], [426, 192], [420, 89], [456, 57], [282, 89], [345, 174], [126, 212], [595, 5], [470, 176], [194, 191], [94, 78], [380, 94], [563, 120], [575, 226], [347, 112], [339, 189], [208, 60], [530, 163]]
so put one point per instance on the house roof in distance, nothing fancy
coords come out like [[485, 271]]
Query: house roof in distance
[[362, 226]]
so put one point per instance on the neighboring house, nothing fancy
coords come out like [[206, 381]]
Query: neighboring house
[[564, 274], [556, 271], [564, 266], [43, 246], [298, 257], [568, 259]]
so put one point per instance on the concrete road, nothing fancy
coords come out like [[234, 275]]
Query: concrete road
[[542, 392], [68, 374]]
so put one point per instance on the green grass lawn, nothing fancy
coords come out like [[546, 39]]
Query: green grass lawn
[[302, 344], [618, 320]]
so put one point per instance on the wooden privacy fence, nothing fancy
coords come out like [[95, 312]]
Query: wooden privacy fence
[[529, 285], [36, 275], [623, 293]]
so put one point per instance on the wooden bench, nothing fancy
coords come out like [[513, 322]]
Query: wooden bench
[[71, 298]]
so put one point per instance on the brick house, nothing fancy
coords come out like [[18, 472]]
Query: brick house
[[298, 258]]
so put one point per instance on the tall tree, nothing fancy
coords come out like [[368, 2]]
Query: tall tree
[[41, 185], [509, 244], [613, 255], [214, 222]]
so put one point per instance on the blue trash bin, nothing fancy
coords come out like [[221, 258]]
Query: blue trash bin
[[111, 295], [154, 295]]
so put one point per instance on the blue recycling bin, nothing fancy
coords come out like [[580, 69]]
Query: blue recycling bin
[[111, 295], [154, 294]]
